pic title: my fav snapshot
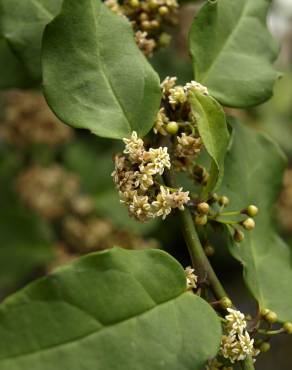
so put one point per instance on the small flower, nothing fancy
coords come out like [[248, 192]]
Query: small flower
[[134, 147], [188, 146], [144, 180], [161, 122], [167, 84], [140, 208], [177, 96], [193, 86], [235, 321], [162, 203], [192, 279], [145, 44], [179, 199]]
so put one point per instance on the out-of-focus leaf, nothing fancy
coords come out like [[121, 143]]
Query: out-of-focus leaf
[[233, 51], [13, 72], [117, 309], [97, 78], [253, 173]]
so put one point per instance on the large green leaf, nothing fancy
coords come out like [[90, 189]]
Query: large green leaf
[[233, 51], [116, 309], [212, 126], [23, 23], [253, 173], [13, 72], [97, 78]]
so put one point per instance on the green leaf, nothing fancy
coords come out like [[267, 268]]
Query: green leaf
[[253, 173], [233, 51], [97, 78], [116, 309], [212, 126], [14, 74], [23, 23]]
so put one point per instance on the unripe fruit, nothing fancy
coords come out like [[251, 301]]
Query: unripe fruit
[[264, 311], [164, 39], [209, 250], [225, 303], [146, 25], [201, 220], [248, 224], [252, 210], [144, 17], [271, 317], [238, 236], [155, 24], [172, 127], [163, 10], [203, 208], [223, 201], [265, 347], [288, 327], [134, 3], [153, 4]]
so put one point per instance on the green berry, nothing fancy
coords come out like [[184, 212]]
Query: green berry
[[225, 303], [203, 208], [201, 220], [238, 236], [288, 327], [264, 347], [252, 210], [248, 224], [223, 201], [172, 127], [271, 317], [164, 39], [163, 10], [134, 3], [264, 311], [209, 250]]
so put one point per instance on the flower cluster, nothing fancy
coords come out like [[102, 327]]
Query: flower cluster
[[148, 19], [176, 117], [136, 176], [29, 122], [236, 345], [191, 278]]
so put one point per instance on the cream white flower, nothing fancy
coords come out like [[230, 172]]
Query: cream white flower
[[235, 321], [140, 208], [161, 122], [193, 86], [134, 147], [162, 203], [192, 279], [177, 96], [167, 84]]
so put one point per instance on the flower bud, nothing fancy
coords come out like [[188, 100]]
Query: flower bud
[[155, 24], [271, 317], [248, 224], [264, 347], [163, 10], [143, 17], [288, 327], [238, 236], [203, 208], [172, 128], [209, 250], [201, 220], [146, 25], [264, 311], [251, 211], [134, 3], [225, 303], [164, 39], [223, 201]]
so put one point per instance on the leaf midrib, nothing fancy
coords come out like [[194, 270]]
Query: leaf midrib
[[95, 332], [204, 76], [102, 67]]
